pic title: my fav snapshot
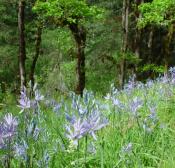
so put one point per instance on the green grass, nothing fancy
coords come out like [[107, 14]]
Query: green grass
[[154, 149]]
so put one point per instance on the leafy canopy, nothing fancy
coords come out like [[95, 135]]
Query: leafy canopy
[[159, 12], [64, 12]]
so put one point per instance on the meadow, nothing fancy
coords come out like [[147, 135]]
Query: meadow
[[132, 128]]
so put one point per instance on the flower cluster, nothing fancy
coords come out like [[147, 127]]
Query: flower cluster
[[88, 119], [151, 121], [8, 129], [79, 127], [135, 105], [26, 103]]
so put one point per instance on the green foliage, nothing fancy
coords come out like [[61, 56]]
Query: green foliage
[[154, 68], [65, 12], [160, 12]]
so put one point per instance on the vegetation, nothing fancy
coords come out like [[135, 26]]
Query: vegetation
[[87, 83]]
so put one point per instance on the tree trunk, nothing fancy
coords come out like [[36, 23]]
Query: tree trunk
[[79, 34], [137, 40], [137, 32], [167, 43], [125, 25], [22, 51], [37, 52]]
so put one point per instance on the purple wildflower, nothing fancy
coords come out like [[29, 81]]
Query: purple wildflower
[[164, 79], [172, 73], [82, 110], [95, 123], [150, 121], [1, 136], [71, 119], [134, 105], [149, 83], [76, 131], [127, 148], [10, 125], [131, 84], [117, 103], [21, 150], [24, 102], [38, 96], [56, 108], [7, 130]]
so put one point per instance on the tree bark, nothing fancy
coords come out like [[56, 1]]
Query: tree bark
[[167, 43], [137, 32], [125, 26], [79, 34], [22, 50], [37, 53]]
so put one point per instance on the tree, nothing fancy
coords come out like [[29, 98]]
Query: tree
[[73, 14], [37, 53], [125, 26], [22, 50], [160, 13]]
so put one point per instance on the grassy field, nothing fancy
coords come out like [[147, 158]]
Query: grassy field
[[132, 128]]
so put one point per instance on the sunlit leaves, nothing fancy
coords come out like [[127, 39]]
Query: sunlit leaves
[[64, 12], [159, 12]]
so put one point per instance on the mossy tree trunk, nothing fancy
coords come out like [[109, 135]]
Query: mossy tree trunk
[[125, 26], [79, 34], [37, 53], [22, 49]]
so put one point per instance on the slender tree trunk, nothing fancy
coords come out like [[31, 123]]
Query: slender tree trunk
[[138, 32], [37, 52], [167, 43], [79, 34], [22, 51], [125, 25]]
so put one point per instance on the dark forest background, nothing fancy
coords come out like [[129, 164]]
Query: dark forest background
[[86, 48]]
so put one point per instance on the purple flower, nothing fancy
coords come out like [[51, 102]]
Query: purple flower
[[131, 84], [82, 110], [149, 83], [10, 125], [71, 119], [38, 96], [117, 103], [1, 136], [76, 131], [127, 148], [87, 96], [57, 107], [134, 105], [153, 115], [7, 130], [24, 102], [21, 150], [50, 103], [151, 121], [165, 79], [95, 122], [172, 73]]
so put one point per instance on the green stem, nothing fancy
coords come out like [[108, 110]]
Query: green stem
[[85, 152], [9, 154], [102, 157], [78, 150]]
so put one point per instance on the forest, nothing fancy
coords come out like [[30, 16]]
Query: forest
[[87, 83]]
